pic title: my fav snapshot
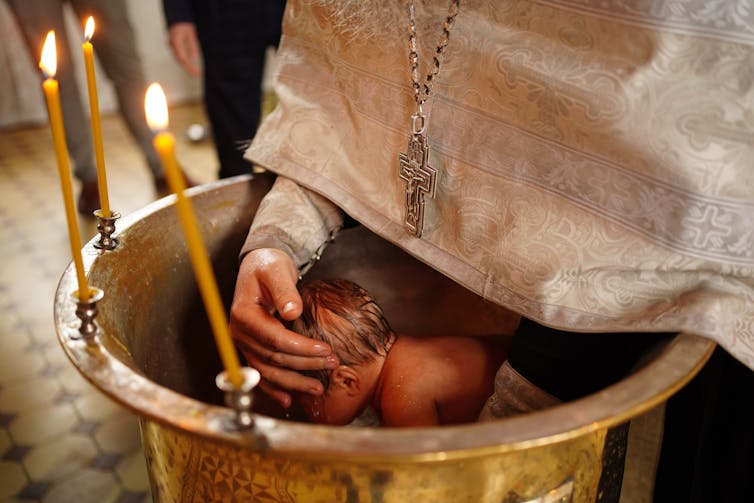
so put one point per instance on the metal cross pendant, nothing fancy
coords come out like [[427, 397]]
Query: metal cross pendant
[[420, 180]]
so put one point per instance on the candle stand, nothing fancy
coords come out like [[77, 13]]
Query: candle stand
[[86, 311], [106, 227], [240, 399]]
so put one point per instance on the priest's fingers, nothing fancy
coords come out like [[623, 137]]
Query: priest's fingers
[[280, 396], [279, 382], [277, 276], [263, 334], [270, 356]]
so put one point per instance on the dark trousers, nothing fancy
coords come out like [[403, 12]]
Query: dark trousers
[[234, 36], [570, 365], [708, 444], [708, 441]]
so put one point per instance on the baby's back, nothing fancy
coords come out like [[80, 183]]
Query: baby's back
[[458, 373]]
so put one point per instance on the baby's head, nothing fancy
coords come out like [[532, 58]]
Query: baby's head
[[343, 315]]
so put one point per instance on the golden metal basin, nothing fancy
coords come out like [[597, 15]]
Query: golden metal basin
[[155, 355]]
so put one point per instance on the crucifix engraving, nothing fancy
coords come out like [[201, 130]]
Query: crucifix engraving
[[420, 180]]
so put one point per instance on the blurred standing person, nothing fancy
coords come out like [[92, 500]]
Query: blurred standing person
[[232, 36], [115, 45]]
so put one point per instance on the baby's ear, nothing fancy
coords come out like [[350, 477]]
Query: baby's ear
[[347, 379]]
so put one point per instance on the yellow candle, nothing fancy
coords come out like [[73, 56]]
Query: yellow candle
[[157, 116], [91, 82], [48, 64]]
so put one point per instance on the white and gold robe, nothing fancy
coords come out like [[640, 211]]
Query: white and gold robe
[[595, 159]]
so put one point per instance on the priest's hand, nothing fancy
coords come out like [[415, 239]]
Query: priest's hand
[[267, 285]]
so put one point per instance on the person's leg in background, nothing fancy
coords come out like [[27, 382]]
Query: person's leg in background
[[36, 18], [234, 36], [117, 52]]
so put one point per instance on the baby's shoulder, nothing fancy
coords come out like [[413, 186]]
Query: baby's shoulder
[[413, 356], [407, 397], [413, 372]]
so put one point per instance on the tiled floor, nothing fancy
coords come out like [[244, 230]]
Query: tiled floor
[[60, 439]]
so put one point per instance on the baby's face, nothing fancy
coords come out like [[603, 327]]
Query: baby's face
[[333, 407]]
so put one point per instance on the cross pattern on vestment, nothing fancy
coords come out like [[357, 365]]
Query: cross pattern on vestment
[[420, 180]]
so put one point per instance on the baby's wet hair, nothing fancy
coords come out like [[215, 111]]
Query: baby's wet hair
[[342, 314]]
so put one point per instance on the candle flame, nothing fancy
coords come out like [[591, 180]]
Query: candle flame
[[89, 29], [49, 60], [156, 108]]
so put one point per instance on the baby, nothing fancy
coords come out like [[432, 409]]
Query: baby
[[407, 381]]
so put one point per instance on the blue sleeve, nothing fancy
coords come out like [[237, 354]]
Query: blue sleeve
[[178, 11]]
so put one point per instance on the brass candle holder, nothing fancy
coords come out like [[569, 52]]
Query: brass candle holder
[[86, 311], [106, 227], [240, 399]]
